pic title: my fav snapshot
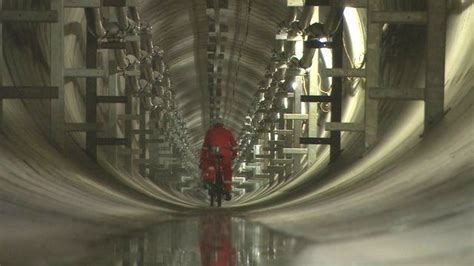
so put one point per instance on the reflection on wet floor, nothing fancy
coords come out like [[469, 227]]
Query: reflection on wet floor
[[211, 240]]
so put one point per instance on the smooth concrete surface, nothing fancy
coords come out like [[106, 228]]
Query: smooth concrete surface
[[209, 239], [409, 201]]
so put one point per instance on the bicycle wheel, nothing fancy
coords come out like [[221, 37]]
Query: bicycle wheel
[[219, 198], [212, 193], [219, 189]]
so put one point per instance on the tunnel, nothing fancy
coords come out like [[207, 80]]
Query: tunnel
[[353, 120]]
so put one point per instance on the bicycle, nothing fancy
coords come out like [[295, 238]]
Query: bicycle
[[216, 189]]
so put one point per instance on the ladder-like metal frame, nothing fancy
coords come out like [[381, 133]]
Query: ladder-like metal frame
[[54, 91], [2, 63], [135, 117], [432, 94]]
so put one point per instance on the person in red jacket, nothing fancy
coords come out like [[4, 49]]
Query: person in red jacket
[[219, 136]]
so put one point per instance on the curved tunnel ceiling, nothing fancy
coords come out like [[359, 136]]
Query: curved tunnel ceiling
[[186, 31]]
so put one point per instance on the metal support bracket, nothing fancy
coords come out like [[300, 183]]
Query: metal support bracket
[[352, 127], [316, 141], [84, 73], [295, 151], [295, 116], [415, 94], [401, 17], [29, 92], [339, 72], [29, 16]]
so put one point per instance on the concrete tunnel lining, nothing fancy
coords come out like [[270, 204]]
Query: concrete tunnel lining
[[378, 193]]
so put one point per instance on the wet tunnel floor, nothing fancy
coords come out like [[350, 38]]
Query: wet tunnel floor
[[212, 239]]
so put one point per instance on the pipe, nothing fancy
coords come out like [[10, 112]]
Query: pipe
[[122, 18], [292, 15], [134, 14], [321, 30], [134, 49], [146, 40], [334, 20], [305, 18], [99, 26], [307, 59], [120, 58]]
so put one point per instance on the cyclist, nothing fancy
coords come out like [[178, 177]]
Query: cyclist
[[219, 136]]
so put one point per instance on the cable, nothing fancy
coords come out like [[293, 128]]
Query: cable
[[244, 40]]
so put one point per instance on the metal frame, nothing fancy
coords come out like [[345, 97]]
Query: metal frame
[[374, 37], [2, 63], [433, 94], [57, 132]]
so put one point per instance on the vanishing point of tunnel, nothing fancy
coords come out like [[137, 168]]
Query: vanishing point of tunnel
[[332, 132]]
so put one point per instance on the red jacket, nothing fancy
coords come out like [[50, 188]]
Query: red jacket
[[219, 136]]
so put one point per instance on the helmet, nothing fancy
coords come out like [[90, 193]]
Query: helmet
[[218, 120]]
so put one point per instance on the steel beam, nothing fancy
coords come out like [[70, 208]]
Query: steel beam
[[128, 152], [143, 131], [312, 99], [112, 45], [84, 73], [415, 94], [100, 3], [293, 3], [111, 141], [296, 151], [295, 117], [277, 142], [399, 17], [81, 127], [337, 3], [336, 92], [2, 64], [111, 99], [275, 171], [129, 117], [316, 141], [91, 83], [316, 98], [132, 38], [143, 161], [110, 65], [155, 141], [283, 132], [435, 62], [57, 133], [29, 92], [133, 73], [51, 16], [128, 126], [271, 149], [374, 37], [120, 3], [339, 72], [263, 156], [260, 178], [282, 161], [351, 127]]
